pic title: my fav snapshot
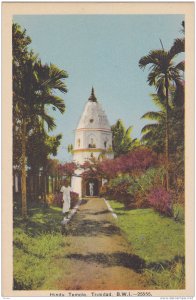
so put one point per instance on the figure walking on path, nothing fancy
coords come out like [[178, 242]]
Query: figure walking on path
[[91, 185], [66, 190]]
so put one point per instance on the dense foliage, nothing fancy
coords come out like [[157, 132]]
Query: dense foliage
[[122, 142], [153, 175], [135, 161], [167, 76], [161, 200], [34, 87]]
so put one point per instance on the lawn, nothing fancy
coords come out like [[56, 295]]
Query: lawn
[[158, 240], [37, 244]]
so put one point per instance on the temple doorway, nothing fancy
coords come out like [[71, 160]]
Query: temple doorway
[[91, 186]]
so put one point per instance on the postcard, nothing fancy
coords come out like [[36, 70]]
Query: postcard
[[98, 149]]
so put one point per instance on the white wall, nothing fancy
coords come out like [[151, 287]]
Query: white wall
[[76, 185]]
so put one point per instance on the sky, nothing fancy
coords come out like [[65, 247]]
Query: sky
[[102, 51]]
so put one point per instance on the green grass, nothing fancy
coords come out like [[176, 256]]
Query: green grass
[[38, 243], [158, 240]]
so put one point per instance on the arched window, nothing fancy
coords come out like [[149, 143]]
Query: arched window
[[78, 143], [105, 142], [92, 143]]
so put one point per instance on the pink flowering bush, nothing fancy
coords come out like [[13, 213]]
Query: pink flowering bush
[[58, 199], [74, 196], [161, 200], [67, 169], [137, 160]]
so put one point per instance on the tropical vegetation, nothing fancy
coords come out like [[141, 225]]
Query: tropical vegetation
[[158, 241], [34, 84], [144, 183], [122, 142]]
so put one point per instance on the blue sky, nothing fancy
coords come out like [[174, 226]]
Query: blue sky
[[101, 51]]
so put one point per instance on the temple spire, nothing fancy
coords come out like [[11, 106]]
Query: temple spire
[[92, 97]]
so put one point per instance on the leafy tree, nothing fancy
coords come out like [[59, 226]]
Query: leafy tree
[[164, 72], [154, 133], [70, 148], [33, 89], [39, 148], [122, 142], [179, 43]]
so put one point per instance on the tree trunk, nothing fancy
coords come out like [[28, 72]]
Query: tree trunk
[[24, 175], [167, 134]]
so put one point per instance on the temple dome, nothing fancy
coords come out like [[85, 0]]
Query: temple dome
[[93, 115]]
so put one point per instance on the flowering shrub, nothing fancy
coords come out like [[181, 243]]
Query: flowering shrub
[[161, 200], [67, 168], [50, 198], [144, 183], [74, 196], [118, 188], [139, 159], [91, 169], [58, 199]]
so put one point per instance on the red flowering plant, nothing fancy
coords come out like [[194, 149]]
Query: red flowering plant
[[161, 200], [91, 169], [144, 183], [139, 159], [67, 169], [109, 168], [58, 199]]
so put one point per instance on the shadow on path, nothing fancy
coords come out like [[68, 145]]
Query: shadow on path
[[120, 259], [87, 227]]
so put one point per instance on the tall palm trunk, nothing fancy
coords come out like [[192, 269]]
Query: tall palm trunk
[[167, 133], [24, 175]]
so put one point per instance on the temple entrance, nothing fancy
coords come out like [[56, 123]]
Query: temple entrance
[[91, 187]]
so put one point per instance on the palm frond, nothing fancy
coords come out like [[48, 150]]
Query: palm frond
[[149, 127], [180, 66], [160, 101], [147, 136], [128, 131], [151, 58], [178, 47], [49, 121], [54, 101], [153, 115], [54, 78]]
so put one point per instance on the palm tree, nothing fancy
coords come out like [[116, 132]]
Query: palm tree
[[163, 74], [153, 134], [179, 43], [38, 84], [122, 142]]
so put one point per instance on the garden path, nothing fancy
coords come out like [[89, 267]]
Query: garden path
[[97, 256]]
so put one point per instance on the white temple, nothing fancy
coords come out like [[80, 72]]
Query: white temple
[[93, 138]]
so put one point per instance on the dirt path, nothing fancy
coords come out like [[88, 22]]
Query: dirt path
[[97, 255]]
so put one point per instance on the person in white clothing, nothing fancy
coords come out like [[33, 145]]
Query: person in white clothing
[[66, 190], [91, 188]]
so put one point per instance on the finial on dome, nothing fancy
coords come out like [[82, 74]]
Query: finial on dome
[[92, 97]]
